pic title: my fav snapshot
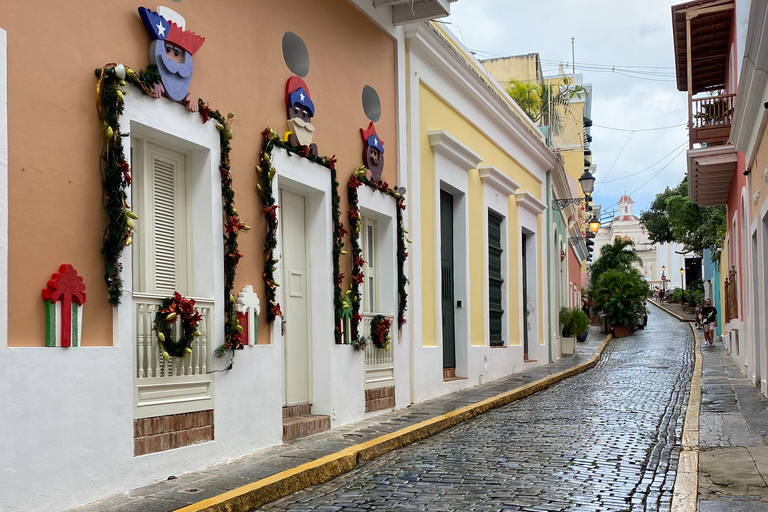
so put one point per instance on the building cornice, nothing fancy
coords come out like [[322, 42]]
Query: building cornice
[[529, 202], [497, 179], [485, 104], [445, 144]]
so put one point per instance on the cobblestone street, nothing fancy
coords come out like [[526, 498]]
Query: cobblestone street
[[607, 439]]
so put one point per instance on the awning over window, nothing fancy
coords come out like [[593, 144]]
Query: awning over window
[[710, 172]]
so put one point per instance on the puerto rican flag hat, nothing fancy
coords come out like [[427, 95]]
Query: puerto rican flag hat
[[296, 91], [370, 138], [168, 25]]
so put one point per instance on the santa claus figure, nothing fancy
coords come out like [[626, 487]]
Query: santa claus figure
[[171, 51], [300, 110], [373, 152]]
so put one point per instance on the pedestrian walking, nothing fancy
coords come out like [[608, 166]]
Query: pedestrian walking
[[708, 317]]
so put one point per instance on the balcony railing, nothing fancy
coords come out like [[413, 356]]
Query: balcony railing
[[149, 360], [379, 363], [181, 384], [731, 297], [711, 118]]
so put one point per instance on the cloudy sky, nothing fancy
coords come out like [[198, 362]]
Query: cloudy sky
[[637, 40]]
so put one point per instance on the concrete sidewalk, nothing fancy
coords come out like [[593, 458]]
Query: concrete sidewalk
[[677, 310], [733, 437], [256, 479]]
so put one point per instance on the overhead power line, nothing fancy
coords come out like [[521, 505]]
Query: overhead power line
[[639, 129], [614, 162], [647, 168], [651, 178]]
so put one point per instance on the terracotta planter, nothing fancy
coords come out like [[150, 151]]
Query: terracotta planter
[[620, 331]]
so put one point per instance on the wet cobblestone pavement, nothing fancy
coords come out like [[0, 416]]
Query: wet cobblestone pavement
[[605, 440]]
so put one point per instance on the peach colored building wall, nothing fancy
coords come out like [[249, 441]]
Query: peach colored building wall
[[55, 193]]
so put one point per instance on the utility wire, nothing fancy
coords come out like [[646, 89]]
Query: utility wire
[[640, 129], [651, 178], [647, 168], [616, 160]]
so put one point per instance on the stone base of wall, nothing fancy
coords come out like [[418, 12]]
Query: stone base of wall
[[162, 433], [379, 398]]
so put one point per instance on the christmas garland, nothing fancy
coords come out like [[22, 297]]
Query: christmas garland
[[170, 309], [380, 336], [360, 177], [116, 177], [265, 171]]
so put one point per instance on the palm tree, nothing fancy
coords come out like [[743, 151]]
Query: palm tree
[[619, 255], [546, 105]]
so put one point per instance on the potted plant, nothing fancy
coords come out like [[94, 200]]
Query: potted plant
[[619, 294], [573, 322]]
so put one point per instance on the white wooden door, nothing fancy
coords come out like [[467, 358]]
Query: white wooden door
[[296, 356]]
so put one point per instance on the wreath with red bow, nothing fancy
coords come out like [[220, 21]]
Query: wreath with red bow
[[170, 310]]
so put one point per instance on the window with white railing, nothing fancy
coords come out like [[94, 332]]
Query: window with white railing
[[378, 293], [163, 263]]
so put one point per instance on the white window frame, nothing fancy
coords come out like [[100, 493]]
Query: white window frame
[[171, 125]]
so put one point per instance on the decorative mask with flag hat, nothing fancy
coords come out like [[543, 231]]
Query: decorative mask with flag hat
[[300, 110], [171, 51], [373, 151]]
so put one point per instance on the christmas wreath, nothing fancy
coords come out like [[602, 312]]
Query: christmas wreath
[[380, 336], [170, 310]]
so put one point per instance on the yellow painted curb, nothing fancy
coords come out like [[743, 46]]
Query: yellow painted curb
[[685, 493], [668, 311], [261, 492]]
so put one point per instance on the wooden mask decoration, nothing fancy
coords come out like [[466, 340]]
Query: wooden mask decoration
[[171, 50], [373, 151], [300, 110]]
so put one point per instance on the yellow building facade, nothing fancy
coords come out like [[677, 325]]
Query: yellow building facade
[[477, 190]]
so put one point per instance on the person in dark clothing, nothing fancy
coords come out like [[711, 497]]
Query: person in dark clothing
[[708, 318]]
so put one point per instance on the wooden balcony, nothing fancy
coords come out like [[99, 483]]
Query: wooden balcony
[[711, 118]]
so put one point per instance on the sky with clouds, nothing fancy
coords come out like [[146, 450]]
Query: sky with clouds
[[636, 38]]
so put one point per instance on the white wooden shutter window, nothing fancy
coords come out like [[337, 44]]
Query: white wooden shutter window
[[160, 199], [164, 202]]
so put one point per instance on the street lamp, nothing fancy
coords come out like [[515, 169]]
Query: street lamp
[[587, 182], [682, 273], [594, 224], [663, 279]]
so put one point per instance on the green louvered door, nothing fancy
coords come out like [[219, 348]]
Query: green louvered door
[[495, 280], [446, 267]]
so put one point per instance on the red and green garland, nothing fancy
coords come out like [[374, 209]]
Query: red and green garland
[[359, 177], [171, 309], [116, 178], [265, 171]]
